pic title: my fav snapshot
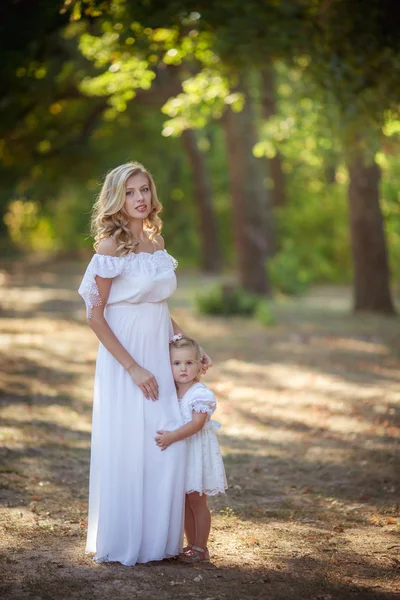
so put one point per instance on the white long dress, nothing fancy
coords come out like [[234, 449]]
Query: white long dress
[[205, 472], [136, 494]]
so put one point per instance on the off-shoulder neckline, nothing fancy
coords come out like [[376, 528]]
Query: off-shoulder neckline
[[132, 254]]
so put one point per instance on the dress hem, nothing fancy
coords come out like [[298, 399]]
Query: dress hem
[[208, 492], [105, 559]]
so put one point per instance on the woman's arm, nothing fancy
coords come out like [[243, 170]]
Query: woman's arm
[[143, 378], [166, 438]]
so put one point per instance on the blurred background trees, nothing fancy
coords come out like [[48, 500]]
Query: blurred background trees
[[271, 129]]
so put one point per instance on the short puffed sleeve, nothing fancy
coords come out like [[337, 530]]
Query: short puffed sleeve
[[203, 400], [103, 266]]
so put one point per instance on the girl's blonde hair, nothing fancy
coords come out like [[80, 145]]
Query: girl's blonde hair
[[109, 217], [186, 342]]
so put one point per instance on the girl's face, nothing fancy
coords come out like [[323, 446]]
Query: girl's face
[[138, 196], [185, 366]]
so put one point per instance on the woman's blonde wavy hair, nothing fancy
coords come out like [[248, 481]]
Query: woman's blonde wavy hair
[[109, 217]]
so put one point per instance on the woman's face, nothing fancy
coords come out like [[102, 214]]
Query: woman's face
[[138, 196]]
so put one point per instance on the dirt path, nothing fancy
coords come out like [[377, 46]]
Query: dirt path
[[311, 426]]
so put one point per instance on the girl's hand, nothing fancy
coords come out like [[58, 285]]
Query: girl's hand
[[145, 380], [206, 361], [164, 439]]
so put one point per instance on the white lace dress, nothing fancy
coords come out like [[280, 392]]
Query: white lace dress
[[205, 471], [136, 496]]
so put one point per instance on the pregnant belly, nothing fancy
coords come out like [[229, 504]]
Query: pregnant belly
[[147, 320], [143, 329]]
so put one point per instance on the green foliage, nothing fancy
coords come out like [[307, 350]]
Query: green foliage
[[205, 96], [232, 300], [313, 234], [263, 314], [286, 273], [29, 230], [125, 71], [70, 216], [312, 228], [227, 300], [390, 194], [356, 60]]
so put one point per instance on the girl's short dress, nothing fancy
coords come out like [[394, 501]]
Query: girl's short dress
[[205, 471]]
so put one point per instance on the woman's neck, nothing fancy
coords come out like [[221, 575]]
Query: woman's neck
[[136, 227]]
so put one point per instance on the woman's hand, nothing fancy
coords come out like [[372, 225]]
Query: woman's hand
[[145, 380], [164, 439], [206, 361]]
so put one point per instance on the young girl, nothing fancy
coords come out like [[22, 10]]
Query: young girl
[[205, 473]]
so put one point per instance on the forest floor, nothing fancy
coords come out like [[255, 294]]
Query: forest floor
[[310, 413]]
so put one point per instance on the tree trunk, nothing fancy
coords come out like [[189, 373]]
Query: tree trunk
[[278, 194], [251, 212], [211, 254], [371, 271]]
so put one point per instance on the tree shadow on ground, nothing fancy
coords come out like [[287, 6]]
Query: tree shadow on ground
[[64, 572], [63, 466], [345, 469], [26, 375]]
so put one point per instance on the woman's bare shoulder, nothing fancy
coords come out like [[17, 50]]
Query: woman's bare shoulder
[[160, 242], [107, 246]]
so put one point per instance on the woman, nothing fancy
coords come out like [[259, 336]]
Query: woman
[[136, 496]]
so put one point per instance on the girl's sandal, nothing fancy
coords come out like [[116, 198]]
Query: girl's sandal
[[195, 555], [185, 550]]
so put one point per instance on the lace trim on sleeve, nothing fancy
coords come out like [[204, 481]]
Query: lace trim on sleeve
[[103, 266], [203, 404], [173, 260], [202, 408]]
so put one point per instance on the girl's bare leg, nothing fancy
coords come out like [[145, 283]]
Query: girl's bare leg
[[190, 527], [202, 518]]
